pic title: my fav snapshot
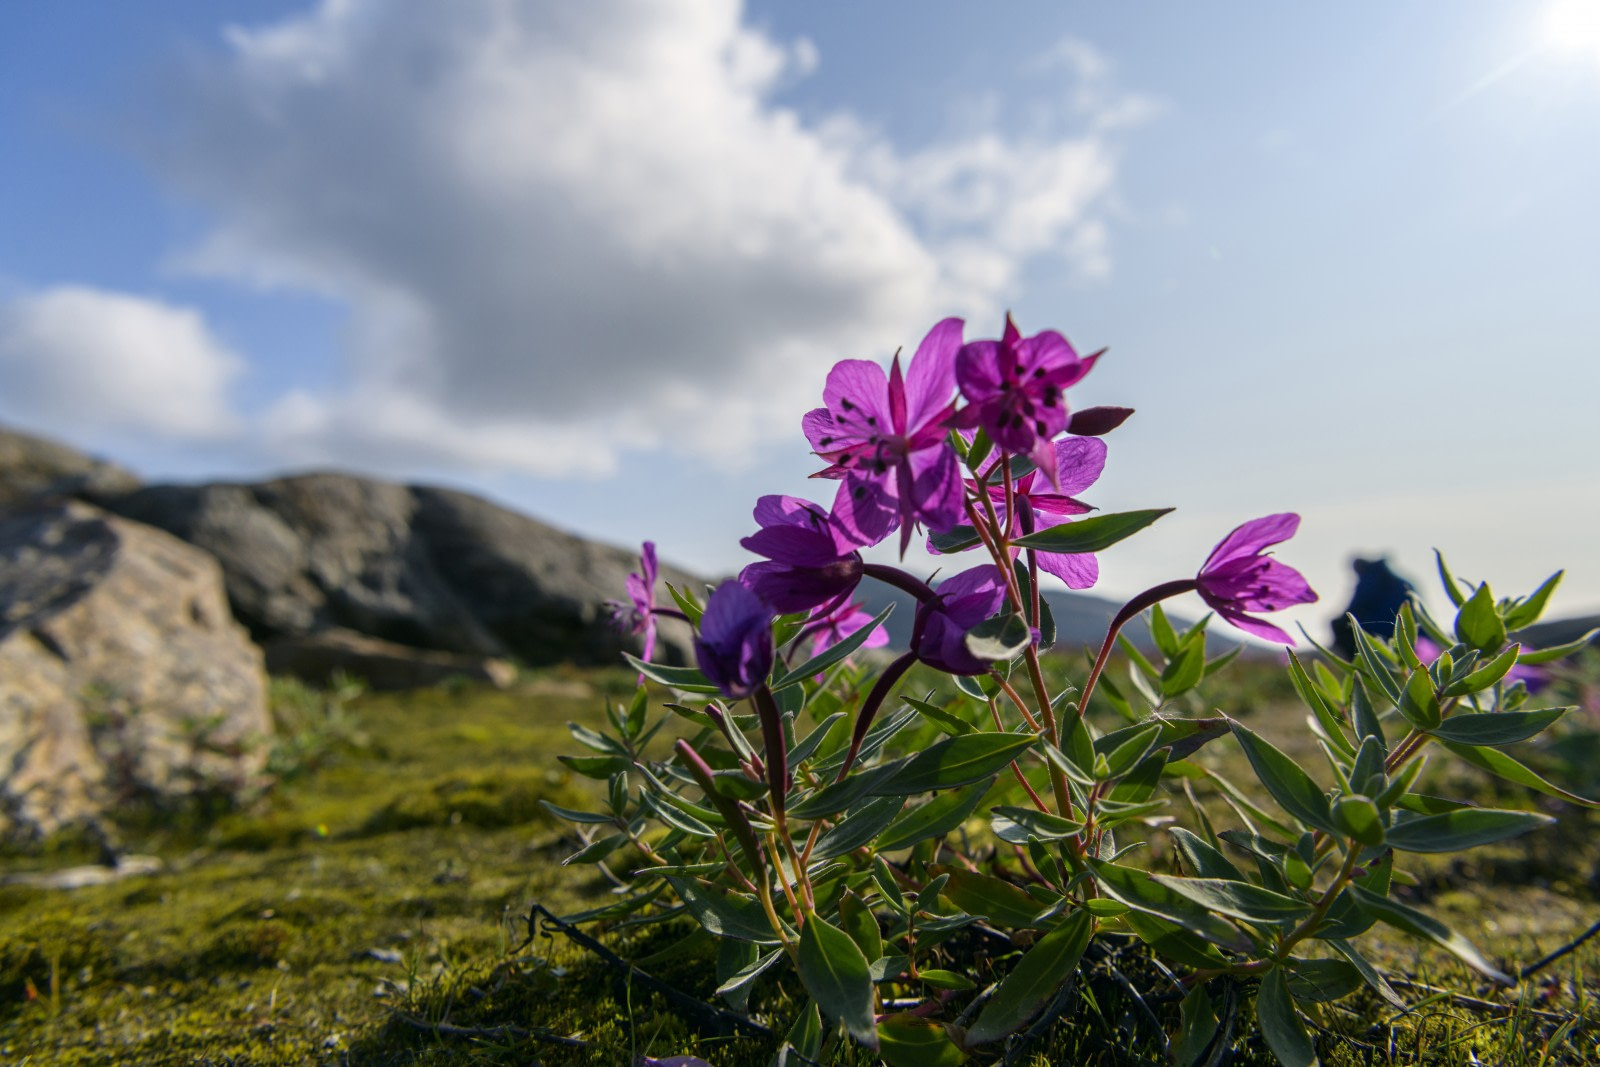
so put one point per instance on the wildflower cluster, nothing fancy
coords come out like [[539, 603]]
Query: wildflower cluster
[[822, 823]]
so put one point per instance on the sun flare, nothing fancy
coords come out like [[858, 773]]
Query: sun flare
[[1572, 28]]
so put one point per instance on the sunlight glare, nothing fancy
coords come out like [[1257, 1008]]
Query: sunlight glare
[[1572, 27]]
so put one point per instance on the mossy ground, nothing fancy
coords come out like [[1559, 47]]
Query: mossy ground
[[385, 890]]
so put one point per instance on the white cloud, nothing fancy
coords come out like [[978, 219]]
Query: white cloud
[[566, 229], [73, 357]]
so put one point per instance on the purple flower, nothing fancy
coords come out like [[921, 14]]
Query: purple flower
[[963, 601], [811, 561], [828, 629], [1017, 390], [1237, 578], [734, 646], [638, 615], [886, 440]]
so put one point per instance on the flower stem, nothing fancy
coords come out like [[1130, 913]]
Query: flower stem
[[900, 580]]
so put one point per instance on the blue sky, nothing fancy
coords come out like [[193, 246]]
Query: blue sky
[[594, 259]]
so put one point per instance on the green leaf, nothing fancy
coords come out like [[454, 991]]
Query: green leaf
[[808, 745], [938, 979], [674, 817], [1162, 633], [835, 973], [1280, 1023], [633, 720], [956, 539], [742, 979], [1528, 611], [1129, 751], [1141, 892], [1419, 704], [1478, 623], [1534, 657], [1201, 858], [1184, 671], [1291, 787], [1015, 825], [1003, 902], [1484, 677], [1467, 828], [936, 818], [1332, 723], [726, 914], [836, 796], [598, 767], [1364, 715], [999, 638], [573, 815], [1368, 972], [1034, 980], [1320, 981], [906, 1040], [1171, 941], [1197, 1027], [1496, 727], [683, 679], [1358, 817], [857, 920], [804, 1037], [1448, 580], [859, 826], [817, 664], [597, 850], [1426, 927], [948, 723], [955, 761], [1370, 658], [1498, 763], [1241, 900], [1093, 534]]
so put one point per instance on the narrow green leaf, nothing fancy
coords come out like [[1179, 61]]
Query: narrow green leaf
[[906, 1040], [857, 920], [1426, 927], [674, 817], [817, 664], [1034, 980], [1496, 727], [597, 767], [1370, 659], [1201, 858], [940, 979], [804, 1037], [1171, 941], [983, 894], [683, 679], [1141, 892], [948, 723], [1528, 611], [955, 761], [746, 976], [1534, 657], [1280, 1023], [1478, 623], [1369, 973], [1457, 830], [1498, 763], [1015, 825], [835, 973], [637, 708], [1364, 715], [955, 539], [726, 914], [1093, 534], [1291, 787], [1197, 1027], [1237, 899], [1419, 704], [807, 746], [1322, 980], [573, 815], [1484, 677], [1162, 633], [1332, 723], [859, 826], [1448, 580], [936, 818], [597, 850]]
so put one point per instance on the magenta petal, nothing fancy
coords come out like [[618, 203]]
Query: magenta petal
[[1079, 570], [937, 488], [1250, 538], [1079, 462], [1257, 627], [859, 385], [865, 510], [931, 378], [647, 562]]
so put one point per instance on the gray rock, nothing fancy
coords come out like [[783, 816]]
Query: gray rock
[[33, 468], [427, 568], [122, 673], [320, 656]]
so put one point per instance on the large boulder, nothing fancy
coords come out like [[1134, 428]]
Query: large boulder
[[123, 675], [33, 468], [428, 568]]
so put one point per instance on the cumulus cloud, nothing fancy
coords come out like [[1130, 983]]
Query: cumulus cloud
[[568, 229], [75, 356]]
